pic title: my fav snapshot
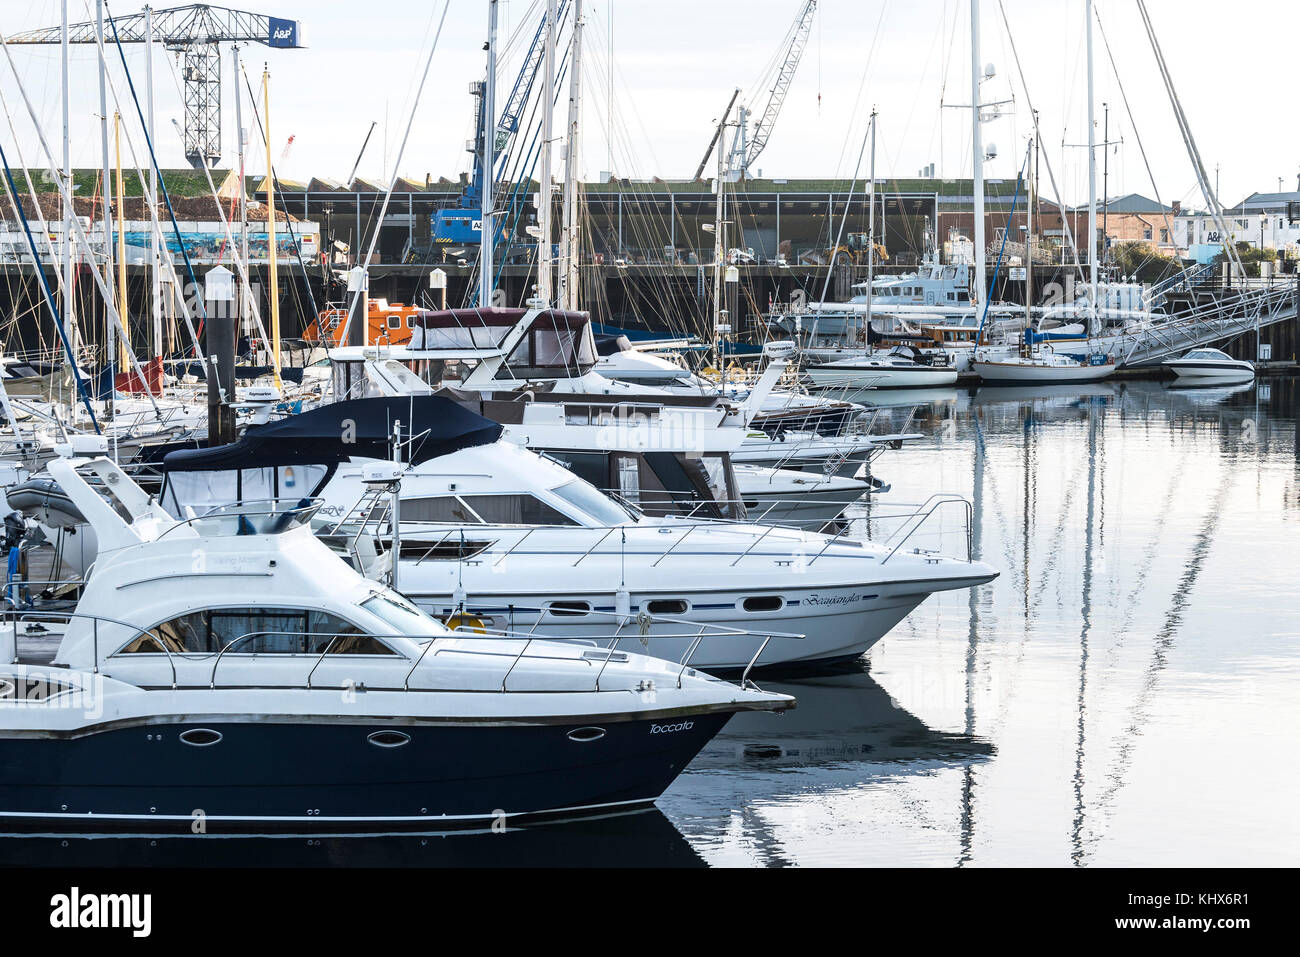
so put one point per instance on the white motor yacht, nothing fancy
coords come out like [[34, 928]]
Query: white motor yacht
[[494, 533], [231, 668]]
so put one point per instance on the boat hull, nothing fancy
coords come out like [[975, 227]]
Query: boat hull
[[1024, 374], [325, 773], [880, 377], [1212, 371], [836, 622]]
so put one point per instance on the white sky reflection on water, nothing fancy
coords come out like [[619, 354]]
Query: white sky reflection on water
[[1129, 695]]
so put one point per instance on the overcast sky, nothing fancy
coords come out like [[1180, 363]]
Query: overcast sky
[[676, 62]]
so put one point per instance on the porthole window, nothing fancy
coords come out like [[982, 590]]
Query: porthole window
[[666, 606], [568, 608], [756, 603]]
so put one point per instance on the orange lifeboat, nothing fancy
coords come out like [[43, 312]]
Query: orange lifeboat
[[388, 322]]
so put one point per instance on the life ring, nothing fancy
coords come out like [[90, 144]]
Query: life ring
[[736, 372], [468, 623]]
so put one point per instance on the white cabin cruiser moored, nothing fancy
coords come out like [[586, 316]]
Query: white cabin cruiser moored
[[232, 663], [494, 532], [1210, 365]]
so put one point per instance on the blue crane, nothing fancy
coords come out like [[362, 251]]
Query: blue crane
[[462, 224]]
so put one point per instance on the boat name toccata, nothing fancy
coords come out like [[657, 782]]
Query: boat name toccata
[[669, 728], [74, 909]]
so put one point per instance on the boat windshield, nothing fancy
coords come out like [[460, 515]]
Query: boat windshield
[[1207, 354], [403, 617], [605, 510]]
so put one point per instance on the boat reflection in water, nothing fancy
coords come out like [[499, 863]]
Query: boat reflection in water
[[637, 838], [841, 717], [850, 779]]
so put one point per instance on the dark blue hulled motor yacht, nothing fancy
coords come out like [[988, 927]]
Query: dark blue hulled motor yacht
[[231, 666]]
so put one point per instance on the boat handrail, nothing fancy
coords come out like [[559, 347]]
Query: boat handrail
[[11, 617], [928, 508], [714, 629]]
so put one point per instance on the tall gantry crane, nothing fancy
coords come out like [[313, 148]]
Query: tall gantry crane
[[195, 31], [746, 147]]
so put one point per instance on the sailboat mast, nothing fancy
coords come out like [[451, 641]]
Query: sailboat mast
[[978, 291], [109, 331], [69, 311], [544, 259], [570, 230], [871, 228], [1029, 229], [272, 250], [125, 343], [245, 306], [487, 234], [719, 254], [1092, 181], [155, 277]]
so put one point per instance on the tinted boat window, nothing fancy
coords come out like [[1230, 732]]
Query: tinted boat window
[[442, 508], [263, 631], [516, 510], [592, 501], [403, 617]]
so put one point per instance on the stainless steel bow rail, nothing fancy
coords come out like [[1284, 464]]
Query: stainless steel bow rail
[[912, 522], [704, 632]]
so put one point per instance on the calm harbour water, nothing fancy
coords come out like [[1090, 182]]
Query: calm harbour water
[[1123, 694]]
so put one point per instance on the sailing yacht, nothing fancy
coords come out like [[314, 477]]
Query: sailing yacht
[[272, 686], [1041, 366], [902, 367]]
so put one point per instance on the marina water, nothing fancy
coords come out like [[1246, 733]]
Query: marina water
[[1123, 694]]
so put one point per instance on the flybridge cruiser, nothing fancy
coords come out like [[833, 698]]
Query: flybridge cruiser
[[231, 663], [548, 351], [781, 409], [494, 534], [541, 360], [666, 459]]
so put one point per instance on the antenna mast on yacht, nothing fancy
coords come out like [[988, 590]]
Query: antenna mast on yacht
[[544, 259], [487, 234], [978, 291], [569, 239]]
